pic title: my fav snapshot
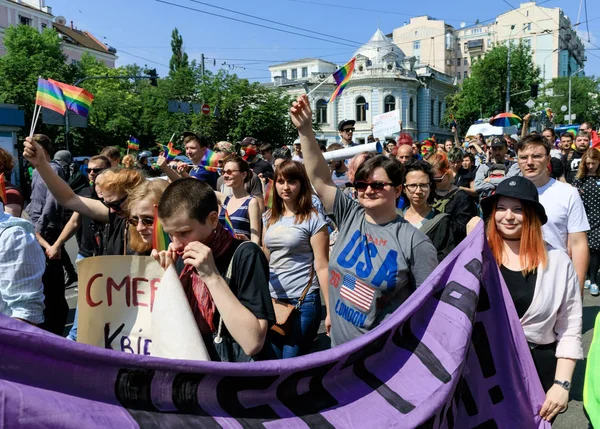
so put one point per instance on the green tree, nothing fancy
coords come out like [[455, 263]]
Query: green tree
[[179, 59], [585, 99], [483, 94]]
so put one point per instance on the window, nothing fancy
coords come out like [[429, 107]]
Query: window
[[465, 61], [44, 26], [458, 61], [417, 44], [527, 27], [294, 73], [23, 20], [284, 74], [439, 121], [411, 110], [321, 111], [458, 75], [432, 108], [361, 111], [304, 71], [416, 33], [489, 43], [466, 74], [389, 103]]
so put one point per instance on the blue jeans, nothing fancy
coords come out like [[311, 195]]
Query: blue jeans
[[305, 326], [73, 332]]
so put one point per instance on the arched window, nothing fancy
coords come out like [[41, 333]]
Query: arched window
[[361, 111], [389, 103], [411, 110], [321, 111]]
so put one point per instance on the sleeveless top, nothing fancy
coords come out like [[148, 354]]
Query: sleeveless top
[[240, 219]]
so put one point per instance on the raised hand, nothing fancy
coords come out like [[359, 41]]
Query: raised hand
[[33, 152], [301, 114]]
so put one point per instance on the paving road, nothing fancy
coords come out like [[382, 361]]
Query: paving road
[[573, 418]]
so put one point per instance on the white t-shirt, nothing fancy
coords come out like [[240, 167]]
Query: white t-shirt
[[565, 212]]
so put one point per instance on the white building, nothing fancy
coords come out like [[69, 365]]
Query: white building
[[384, 79]]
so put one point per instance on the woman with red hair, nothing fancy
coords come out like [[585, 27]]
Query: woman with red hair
[[542, 284]]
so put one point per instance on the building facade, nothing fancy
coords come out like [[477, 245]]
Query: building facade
[[36, 14], [384, 79]]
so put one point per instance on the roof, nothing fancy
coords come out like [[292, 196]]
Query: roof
[[30, 7], [380, 47], [81, 38], [303, 60]]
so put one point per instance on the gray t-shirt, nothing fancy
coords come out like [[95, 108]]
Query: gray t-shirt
[[291, 254], [372, 269]]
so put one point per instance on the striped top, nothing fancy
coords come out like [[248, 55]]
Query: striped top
[[239, 218]]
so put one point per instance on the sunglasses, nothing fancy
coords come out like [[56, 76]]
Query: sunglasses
[[376, 186], [439, 179], [349, 130], [146, 221], [115, 205], [95, 170], [229, 172]]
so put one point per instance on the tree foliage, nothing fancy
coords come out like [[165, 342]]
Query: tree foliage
[[179, 59], [483, 94], [585, 99]]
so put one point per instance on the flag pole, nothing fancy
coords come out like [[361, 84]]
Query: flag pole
[[37, 109], [319, 85]]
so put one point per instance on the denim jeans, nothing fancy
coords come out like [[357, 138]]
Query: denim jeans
[[73, 332], [305, 326]]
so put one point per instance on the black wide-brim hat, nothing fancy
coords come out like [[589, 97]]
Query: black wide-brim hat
[[515, 187]]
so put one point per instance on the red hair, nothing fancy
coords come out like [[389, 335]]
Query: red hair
[[439, 162], [532, 250]]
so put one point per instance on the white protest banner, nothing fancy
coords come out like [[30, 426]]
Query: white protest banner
[[386, 124], [120, 304]]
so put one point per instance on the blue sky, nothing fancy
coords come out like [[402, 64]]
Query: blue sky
[[141, 29]]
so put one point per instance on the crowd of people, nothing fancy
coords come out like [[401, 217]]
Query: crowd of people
[[345, 241]]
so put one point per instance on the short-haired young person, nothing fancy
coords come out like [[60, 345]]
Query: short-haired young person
[[567, 222], [379, 259], [113, 154], [203, 250], [582, 144], [196, 147]]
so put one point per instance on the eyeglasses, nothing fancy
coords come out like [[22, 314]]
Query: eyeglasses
[[146, 221], [439, 179], [376, 186], [95, 170], [349, 130], [413, 187], [115, 205], [229, 172]]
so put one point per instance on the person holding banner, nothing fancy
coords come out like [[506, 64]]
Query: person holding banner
[[542, 283], [234, 314], [379, 259], [296, 243]]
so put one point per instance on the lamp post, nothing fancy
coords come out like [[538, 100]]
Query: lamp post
[[572, 74], [547, 56], [512, 27]]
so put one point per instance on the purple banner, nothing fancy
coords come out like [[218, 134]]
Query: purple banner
[[453, 356]]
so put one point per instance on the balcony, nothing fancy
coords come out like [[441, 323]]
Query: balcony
[[475, 45]]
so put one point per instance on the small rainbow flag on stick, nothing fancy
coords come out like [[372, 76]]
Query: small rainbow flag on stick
[[133, 143], [3, 189], [269, 194], [171, 152], [50, 96], [77, 99], [210, 161], [228, 224], [342, 77], [160, 239]]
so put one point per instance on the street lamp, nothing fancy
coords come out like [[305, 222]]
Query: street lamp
[[512, 27], [547, 56], [572, 74]]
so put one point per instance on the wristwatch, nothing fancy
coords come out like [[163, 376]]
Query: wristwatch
[[564, 384]]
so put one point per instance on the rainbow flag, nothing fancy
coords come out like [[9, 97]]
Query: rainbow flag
[[171, 152], [133, 143], [342, 77], [50, 96], [228, 224], [210, 161], [549, 113], [160, 239], [3, 189], [269, 191], [77, 100]]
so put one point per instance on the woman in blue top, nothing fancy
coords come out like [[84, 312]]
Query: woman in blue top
[[296, 242], [242, 208]]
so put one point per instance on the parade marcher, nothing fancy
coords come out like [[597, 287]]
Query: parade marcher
[[22, 265], [233, 314], [587, 182], [346, 132], [196, 147], [259, 166], [543, 286], [404, 153], [464, 177], [128, 161], [490, 174], [448, 145], [588, 127], [143, 165], [243, 209], [296, 243], [572, 160], [449, 198], [339, 170], [390, 145], [266, 151], [355, 162], [47, 216], [141, 205], [567, 222], [399, 257], [14, 204], [297, 155], [113, 154], [280, 155], [419, 190]]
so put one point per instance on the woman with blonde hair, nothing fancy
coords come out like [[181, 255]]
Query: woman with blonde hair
[[128, 161], [142, 203], [587, 181]]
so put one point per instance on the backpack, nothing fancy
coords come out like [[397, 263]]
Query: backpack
[[440, 204]]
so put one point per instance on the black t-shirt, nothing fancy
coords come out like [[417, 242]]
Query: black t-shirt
[[249, 283], [113, 239], [521, 288], [88, 229], [464, 177], [262, 167], [442, 237], [571, 162], [461, 207]]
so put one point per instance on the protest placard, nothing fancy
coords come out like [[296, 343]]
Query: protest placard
[[386, 124]]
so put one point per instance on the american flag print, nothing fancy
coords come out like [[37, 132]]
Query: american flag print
[[357, 292]]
